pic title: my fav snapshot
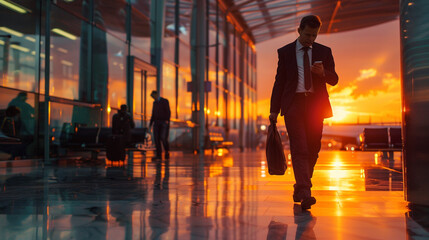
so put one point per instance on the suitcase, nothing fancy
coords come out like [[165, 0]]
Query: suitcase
[[115, 148]]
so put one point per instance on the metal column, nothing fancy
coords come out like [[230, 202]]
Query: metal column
[[198, 45], [157, 10], [415, 100]]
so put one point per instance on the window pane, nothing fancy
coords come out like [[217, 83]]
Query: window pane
[[77, 7], [18, 46], [168, 47], [142, 6], [185, 111], [151, 85], [169, 86], [185, 20], [111, 16], [184, 55], [116, 72], [69, 44], [140, 35]]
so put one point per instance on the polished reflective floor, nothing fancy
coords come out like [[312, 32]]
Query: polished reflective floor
[[225, 195]]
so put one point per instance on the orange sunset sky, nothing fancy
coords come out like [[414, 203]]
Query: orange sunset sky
[[367, 62]]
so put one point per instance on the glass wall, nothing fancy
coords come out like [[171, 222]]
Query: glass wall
[[18, 46], [90, 42]]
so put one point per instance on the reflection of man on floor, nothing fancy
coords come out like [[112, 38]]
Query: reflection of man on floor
[[159, 217], [305, 222]]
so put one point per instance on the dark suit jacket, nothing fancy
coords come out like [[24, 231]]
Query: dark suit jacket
[[160, 111], [287, 79]]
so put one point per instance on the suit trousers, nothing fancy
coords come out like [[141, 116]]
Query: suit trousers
[[160, 134], [304, 127]]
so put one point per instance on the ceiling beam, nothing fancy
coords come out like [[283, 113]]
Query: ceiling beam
[[278, 7], [337, 7]]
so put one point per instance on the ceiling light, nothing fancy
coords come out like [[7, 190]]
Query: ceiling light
[[15, 7], [17, 47], [30, 39], [11, 31], [64, 33]]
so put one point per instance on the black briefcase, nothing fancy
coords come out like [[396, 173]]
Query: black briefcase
[[274, 150]]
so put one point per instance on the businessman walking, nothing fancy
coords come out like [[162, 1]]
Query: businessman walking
[[300, 95]]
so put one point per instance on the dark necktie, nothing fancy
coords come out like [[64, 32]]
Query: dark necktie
[[307, 70]]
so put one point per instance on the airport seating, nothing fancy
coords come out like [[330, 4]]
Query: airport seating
[[395, 135], [386, 140], [216, 141], [94, 139], [375, 138]]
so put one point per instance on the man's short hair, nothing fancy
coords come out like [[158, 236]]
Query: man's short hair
[[154, 92], [124, 107], [312, 21]]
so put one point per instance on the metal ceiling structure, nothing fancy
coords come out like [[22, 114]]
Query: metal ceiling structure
[[267, 19]]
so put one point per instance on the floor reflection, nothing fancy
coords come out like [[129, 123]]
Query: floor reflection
[[159, 215], [225, 195], [305, 222]]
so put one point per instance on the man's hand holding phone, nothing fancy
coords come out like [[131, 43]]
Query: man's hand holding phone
[[317, 68]]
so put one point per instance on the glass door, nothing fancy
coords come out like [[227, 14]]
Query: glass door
[[143, 83]]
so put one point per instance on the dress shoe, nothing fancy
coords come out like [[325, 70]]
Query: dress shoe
[[167, 155], [296, 198], [307, 202]]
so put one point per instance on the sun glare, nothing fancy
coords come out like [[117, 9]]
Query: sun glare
[[340, 114]]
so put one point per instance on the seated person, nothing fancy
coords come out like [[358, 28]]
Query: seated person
[[122, 123]]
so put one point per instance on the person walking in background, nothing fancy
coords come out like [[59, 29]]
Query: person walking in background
[[122, 122], [300, 95], [160, 120]]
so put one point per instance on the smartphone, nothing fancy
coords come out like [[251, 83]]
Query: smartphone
[[318, 62]]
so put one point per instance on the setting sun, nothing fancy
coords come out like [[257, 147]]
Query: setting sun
[[340, 114]]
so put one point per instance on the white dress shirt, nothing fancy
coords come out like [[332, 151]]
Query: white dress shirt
[[300, 63]]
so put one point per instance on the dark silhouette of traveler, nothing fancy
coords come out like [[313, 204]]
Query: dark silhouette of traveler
[[161, 124], [11, 122], [300, 95], [26, 121], [122, 123], [26, 114], [8, 126]]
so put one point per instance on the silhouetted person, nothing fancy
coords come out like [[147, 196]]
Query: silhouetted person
[[122, 123], [300, 94], [9, 126], [26, 119], [10, 123], [26, 114], [161, 124]]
